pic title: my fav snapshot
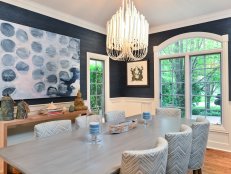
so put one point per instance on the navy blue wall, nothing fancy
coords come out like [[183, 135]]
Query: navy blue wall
[[90, 41], [220, 27]]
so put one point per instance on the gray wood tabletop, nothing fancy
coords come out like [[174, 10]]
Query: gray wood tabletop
[[73, 153]]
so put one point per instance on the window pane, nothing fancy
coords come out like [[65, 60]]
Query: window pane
[[166, 100], [212, 61], [212, 44], [99, 66], [166, 88], [99, 89], [198, 88], [172, 81], [99, 101], [212, 89], [93, 101], [166, 65], [99, 77], [188, 45], [166, 77], [213, 75], [197, 62], [92, 77], [179, 101], [197, 75], [93, 89], [214, 112], [178, 88], [198, 101], [178, 76], [206, 83], [178, 64], [198, 111], [210, 103], [92, 65], [97, 86]]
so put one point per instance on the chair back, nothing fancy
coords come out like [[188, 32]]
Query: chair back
[[83, 121], [200, 131], [52, 128], [115, 117], [173, 112], [152, 161], [179, 150]]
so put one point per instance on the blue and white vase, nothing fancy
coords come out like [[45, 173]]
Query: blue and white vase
[[146, 117], [94, 128]]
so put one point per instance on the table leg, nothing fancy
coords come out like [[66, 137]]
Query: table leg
[[3, 143]]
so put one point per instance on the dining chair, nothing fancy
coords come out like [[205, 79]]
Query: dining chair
[[52, 128], [200, 131], [174, 112], [179, 149], [151, 161], [83, 121], [115, 117]]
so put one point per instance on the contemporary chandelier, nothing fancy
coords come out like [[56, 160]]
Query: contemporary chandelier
[[127, 34]]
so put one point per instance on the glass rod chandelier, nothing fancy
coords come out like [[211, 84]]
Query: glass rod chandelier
[[127, 34]]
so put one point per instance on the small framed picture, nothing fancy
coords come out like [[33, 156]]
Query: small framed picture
[[137, 73]]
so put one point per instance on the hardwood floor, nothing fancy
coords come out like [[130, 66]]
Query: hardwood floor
[[216, 162]]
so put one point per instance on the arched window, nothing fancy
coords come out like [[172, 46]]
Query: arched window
[[188, 68], [190, 45]]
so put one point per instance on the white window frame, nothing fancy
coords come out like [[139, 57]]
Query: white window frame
[[224, 67], [105, 59]]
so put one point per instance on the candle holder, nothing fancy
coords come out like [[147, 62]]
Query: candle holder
[[94, 130], [146, 117]]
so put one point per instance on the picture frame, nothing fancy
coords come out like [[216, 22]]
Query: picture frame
[[137, 74]]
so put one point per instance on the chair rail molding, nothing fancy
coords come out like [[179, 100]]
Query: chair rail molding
[[132, 105]]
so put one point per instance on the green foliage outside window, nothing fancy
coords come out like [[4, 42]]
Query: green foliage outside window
[[190, 45], [205, 77], [206, 85], [97, 86], [172, 83]]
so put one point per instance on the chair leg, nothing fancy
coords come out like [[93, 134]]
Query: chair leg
[[194, 171], [198, 171]]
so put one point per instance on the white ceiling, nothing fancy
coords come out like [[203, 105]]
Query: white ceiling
[[159, 13]]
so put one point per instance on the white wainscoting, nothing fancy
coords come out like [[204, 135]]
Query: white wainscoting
[[132, 105]]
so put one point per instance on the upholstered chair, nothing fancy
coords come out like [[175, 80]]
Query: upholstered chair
[[83, 121], [52, 128], [179, 149], [174, 112], [151, 161], [200, 131], [115, 117]]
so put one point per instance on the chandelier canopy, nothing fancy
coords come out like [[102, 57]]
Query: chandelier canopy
[[127, 34]]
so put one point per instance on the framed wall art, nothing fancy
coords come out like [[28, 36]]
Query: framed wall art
[[137, 73], [37, 64]]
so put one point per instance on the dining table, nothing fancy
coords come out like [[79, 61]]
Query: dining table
[[75, 153]]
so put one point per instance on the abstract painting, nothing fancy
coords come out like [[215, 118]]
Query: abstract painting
[[137, 73], [37, 64]]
